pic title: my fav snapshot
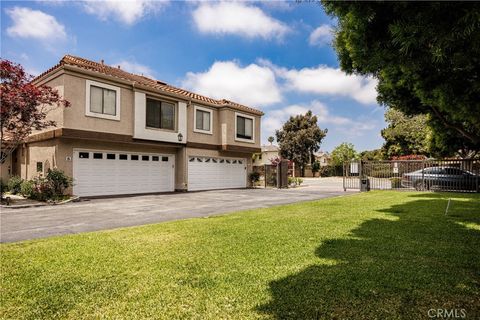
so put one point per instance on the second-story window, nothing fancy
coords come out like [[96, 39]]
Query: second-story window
[[160, 114], [103, 101], [203, 120], [244, 128]]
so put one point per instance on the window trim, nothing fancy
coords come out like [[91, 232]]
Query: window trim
[[88, 113], [243, 115], [175, 114], [195, 108]]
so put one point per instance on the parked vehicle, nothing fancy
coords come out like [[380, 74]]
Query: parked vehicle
[[441, 178]]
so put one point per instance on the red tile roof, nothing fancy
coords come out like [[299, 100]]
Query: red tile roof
[[142, 80]]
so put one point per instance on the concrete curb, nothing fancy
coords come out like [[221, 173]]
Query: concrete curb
[[43, 204]]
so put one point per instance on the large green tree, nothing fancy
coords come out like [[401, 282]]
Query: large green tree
[[372, 155], [342, 153], [406, 135], [299, 138], [426, 57]]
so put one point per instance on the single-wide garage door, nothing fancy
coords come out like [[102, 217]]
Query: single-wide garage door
[[205, 173], [98, 173]]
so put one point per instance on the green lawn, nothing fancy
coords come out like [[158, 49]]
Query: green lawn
[[381, 255]]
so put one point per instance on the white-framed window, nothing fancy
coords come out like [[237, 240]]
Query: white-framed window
[[102, 100], [244, 128], [203, 120], [160, 114]]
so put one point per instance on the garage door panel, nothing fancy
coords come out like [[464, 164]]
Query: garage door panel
[[216, 173], [93, 177]]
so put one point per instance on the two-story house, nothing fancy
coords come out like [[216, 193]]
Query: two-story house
[[126, 134], [268, 152]]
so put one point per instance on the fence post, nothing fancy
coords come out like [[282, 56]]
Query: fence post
[[423, 174], [265, 175], [360, 174], [344, 174]]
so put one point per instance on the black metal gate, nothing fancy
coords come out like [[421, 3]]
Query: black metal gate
[[422, 175]]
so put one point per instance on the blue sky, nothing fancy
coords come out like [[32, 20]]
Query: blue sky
[[275, 56]]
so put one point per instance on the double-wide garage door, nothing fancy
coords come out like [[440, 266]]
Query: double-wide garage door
[[206, 173], [98, 173]]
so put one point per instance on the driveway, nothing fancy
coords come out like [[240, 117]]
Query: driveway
[[101, 214]]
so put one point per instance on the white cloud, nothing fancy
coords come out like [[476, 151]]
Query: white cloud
[[278, 5], [321, 36], [134, 67], [125, 11], [252, 85], [239, 19], [28, 23], [274, 119], [324, 80]]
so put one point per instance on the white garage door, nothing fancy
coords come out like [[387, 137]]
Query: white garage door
[[98, 173], [216, 173]]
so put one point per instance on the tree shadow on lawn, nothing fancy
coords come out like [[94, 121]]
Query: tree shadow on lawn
[[414, 260]]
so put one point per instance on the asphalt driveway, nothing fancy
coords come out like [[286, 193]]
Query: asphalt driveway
[[102, 214]]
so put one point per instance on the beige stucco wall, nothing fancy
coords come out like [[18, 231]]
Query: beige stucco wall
[[54, 113], [266, 157], [227, 120], [72, 86], [223, 124], [44, 151], [198, 137], [75, 118], [6, 169]]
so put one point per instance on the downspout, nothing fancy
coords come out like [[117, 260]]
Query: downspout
[[25, 159], [185, 161]]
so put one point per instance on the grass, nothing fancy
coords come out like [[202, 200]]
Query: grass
[[377, 255]]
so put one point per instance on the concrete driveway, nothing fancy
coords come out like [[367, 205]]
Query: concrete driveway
[[101, 214]]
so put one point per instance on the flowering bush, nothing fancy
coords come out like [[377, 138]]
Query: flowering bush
[[50, 187], [410, 157]]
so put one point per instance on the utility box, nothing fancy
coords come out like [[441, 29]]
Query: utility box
[[364, 184]]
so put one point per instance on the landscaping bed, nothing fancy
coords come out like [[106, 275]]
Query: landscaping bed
[[48, 189], [383, 255]]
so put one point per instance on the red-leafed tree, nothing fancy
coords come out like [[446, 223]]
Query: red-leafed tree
[[24, 106]]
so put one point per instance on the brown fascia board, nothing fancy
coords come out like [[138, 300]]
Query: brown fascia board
[[66, 133]]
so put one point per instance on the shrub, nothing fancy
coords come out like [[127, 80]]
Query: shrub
[[13, 184], [3, 187], [254, 177], [58, 181], [315, 167], [331, 171], [42, 189], [396, 182], [291, 181], [294, 182], [26, 188]]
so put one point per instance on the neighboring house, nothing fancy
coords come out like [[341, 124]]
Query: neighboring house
[[323, 158], [268, 153], [127, 134]]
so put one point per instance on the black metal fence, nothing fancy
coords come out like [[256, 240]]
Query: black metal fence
[[268, 175], [421, 175]]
